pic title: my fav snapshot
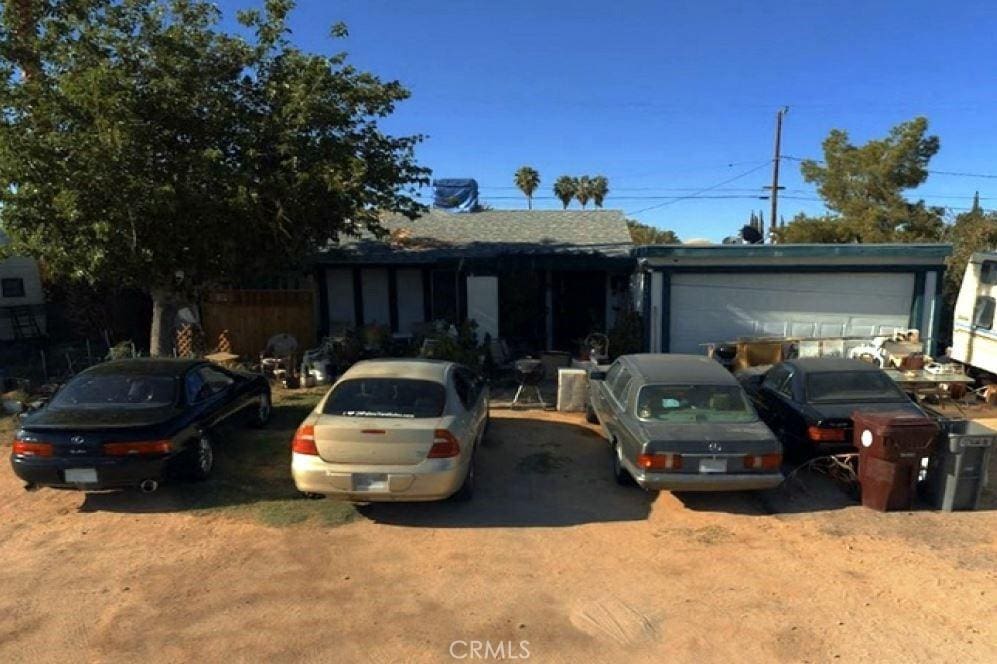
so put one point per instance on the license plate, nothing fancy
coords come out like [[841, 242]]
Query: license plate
[[81, 476], [713, 465], [370, 481]]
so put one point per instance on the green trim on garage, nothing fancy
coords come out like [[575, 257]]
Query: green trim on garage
[[917, 302], [666, 311], [939, 304], [782, 269], [795, 251]]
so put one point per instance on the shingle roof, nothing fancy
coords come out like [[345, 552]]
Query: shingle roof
[[442, 235]]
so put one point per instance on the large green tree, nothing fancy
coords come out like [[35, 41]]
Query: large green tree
[[142, 145], [864, 189], [527, 179], [644, 234], [971, 231]]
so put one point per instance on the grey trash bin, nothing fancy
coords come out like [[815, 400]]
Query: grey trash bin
[[957, 472]]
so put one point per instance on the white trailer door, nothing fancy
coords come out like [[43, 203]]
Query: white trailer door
[[715, 307]]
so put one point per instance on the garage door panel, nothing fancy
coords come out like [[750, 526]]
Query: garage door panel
[[717, 307]]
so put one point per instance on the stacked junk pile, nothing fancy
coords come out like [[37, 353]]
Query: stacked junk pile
[[943, 460]]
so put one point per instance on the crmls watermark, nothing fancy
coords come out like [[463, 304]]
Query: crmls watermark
[[503, 650]]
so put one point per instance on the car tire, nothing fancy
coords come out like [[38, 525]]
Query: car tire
[[264, 411], [466, 490], [620, 474], [200, 459], [590, 415]]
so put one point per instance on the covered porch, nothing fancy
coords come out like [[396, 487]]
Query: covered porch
[[531, 304]]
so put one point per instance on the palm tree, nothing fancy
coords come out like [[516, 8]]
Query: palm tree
[[600, 189], [527, 179], [565, 188], [584, 190]]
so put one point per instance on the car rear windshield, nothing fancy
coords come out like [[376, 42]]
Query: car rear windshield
[[694, 403], [828, 386], [386, 397], [117, 391]]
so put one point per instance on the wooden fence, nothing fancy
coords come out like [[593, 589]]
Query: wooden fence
[[253, 316]]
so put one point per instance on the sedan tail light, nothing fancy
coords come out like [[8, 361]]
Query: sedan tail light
[[762, 461], [445, 445], [30, 448], [137, 449], [819, 434], [304, 440], [659, 461]]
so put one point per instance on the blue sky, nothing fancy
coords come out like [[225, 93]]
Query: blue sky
[[669, 98]]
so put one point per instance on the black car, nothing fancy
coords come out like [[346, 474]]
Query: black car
[[134, 423], [809, 402]]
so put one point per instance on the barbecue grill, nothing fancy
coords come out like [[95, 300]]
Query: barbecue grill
[[529, 372]]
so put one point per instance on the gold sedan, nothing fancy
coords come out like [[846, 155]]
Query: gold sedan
[[393, 430]]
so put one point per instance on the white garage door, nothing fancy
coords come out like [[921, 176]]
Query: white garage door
[[723, 307]]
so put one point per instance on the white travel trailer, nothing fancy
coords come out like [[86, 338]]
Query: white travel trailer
[[22, 301], [974, 335]]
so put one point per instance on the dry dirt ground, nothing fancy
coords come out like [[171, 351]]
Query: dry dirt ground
[[550, 552]]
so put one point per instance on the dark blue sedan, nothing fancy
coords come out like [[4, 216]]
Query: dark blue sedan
[[809, 402], [135, 423]]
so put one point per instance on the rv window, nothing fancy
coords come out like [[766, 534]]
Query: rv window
[[983, 312], [13, 287], [988, 273]]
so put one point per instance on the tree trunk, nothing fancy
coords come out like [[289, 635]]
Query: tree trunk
[[164, 313], [529, 202]]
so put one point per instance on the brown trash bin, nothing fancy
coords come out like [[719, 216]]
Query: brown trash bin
[[891, 446]]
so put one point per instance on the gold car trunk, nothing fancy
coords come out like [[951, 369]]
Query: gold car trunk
[[388, 441]]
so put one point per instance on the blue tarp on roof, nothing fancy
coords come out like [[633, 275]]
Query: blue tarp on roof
[[456, 194]]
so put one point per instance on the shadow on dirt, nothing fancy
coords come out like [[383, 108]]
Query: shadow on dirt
[[252, 469], [805, 492], [531, 473]]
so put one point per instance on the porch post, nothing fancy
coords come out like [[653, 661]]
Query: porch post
[[609, 302], [549, 307]]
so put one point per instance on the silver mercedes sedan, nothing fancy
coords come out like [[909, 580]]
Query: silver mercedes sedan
[[682, 423], [393, 430]]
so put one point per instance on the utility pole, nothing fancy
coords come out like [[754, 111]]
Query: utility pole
[[775, 173]]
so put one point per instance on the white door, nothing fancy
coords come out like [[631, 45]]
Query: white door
[[482, 305], [706, 308]]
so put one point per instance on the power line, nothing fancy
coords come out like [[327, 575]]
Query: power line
[[757, 196], [614, 189], [764, 164]]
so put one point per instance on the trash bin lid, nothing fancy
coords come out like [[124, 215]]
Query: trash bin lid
[[883, 421], [893, 434], [968, 433]]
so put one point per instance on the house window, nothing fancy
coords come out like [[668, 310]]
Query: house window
[[13, 287], [445, 295], [988, 273], [983, 312]]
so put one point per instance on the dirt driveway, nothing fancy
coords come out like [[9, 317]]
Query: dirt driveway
[[550, 552]]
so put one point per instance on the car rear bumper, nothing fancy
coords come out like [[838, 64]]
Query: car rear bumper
[[111, 473], [709, 482], [677, 481], [432, 479]]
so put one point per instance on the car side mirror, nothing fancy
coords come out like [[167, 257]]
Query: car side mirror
[[597, 375]]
